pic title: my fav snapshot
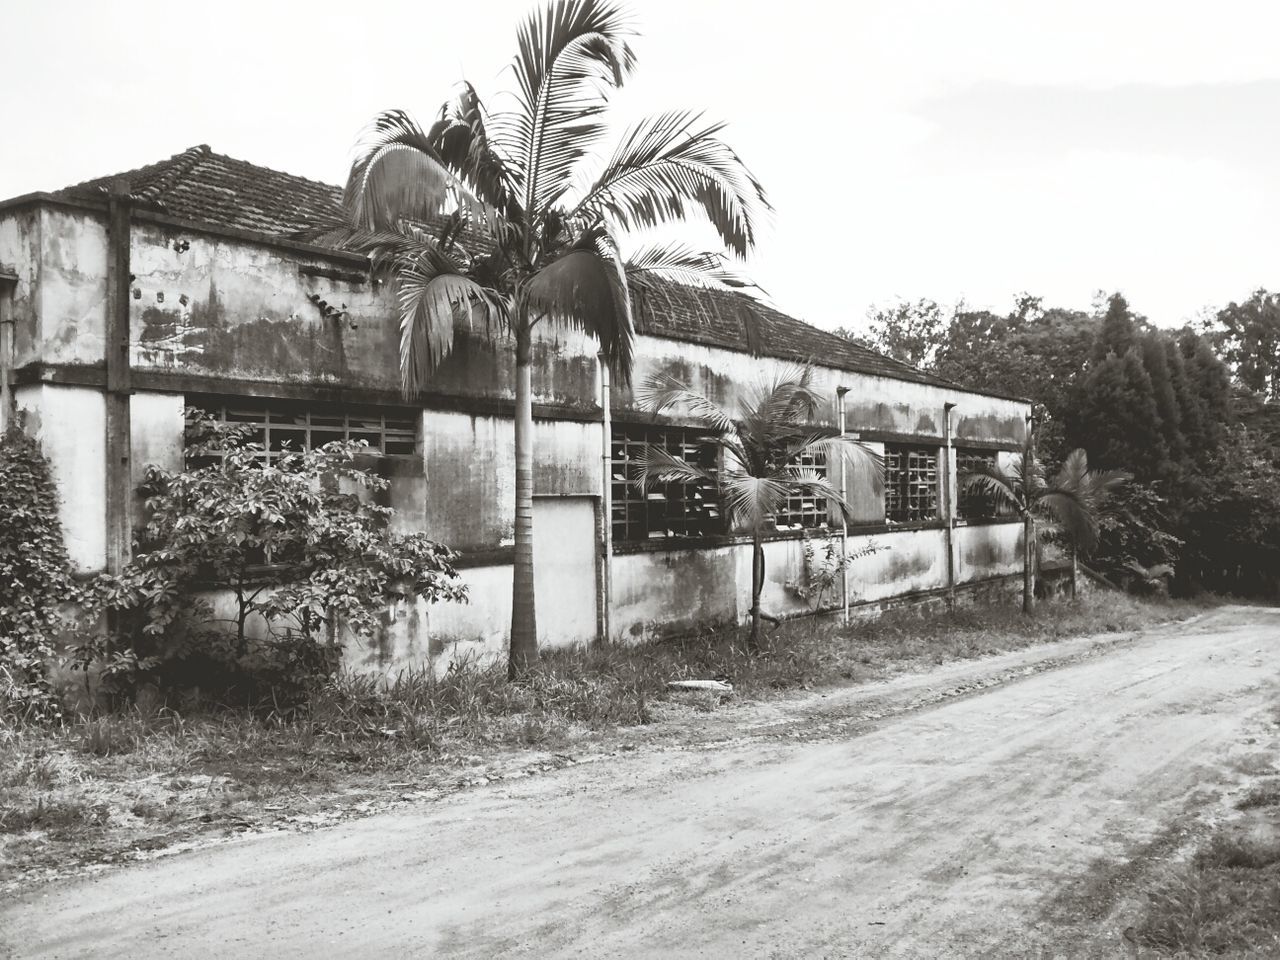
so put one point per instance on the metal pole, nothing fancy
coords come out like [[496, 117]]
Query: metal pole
[[606, 503], [951, 499], [844, 520]]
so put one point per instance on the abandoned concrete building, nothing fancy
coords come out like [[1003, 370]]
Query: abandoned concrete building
[[128, 298]]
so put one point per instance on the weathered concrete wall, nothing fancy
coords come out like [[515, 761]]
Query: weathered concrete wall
[[733, 379], [674, 592], [470, 473], [70, 423], [156, 428], [20, 254], [988, 550], [73, 287]]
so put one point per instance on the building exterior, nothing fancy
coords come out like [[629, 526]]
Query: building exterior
[[127, 298]]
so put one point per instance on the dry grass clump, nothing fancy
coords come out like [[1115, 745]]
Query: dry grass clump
[[1225, 902]]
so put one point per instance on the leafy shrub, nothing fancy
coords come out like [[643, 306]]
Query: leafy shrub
[[1135, 547], [35, 577], [298, 541]]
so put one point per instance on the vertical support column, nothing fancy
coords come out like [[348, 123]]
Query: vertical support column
[[119, 499], [844, 519], [7, 283], [604, 577], [952, 501]]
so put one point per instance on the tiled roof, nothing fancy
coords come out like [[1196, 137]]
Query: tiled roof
[[206, 187]]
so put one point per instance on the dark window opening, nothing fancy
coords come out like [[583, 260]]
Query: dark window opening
[[974, 504], [665, 510], [911, 483]]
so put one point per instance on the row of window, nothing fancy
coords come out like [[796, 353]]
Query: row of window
[[665, 511]]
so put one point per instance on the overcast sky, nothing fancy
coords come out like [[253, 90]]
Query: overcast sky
[[911, 149]]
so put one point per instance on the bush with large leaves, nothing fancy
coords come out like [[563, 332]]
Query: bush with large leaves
[[298, 542]]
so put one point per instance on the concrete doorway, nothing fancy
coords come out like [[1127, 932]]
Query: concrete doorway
[[564, 569]]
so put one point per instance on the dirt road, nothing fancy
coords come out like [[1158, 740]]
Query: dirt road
[[947, 831]]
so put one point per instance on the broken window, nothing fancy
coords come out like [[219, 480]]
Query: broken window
[[804, 509], [665, 510], [281, 426], [911, 483], [974, 504]]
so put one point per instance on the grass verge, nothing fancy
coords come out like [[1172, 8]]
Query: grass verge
[[1225, 900], [113, 786]]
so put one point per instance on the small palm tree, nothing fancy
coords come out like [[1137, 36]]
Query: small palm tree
[[757, 452], [492, 222], [1075, 500]]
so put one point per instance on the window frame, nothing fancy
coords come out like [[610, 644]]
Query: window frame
[[974, 505], [909, 467], [635, 515], [393, 433]]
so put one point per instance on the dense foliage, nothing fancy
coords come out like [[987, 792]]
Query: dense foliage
[[35, 577], [301, 545], [1192, 413]]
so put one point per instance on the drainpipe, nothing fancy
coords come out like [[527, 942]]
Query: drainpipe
[[7, 283], [604, 585], [949, 475], [844, 520]]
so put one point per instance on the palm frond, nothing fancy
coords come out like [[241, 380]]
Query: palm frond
[[435, 299], [780, 406], [1003, 488], [653, 465], [1076, 519], [571, 55], [586, 291], [1077, 497], [856, 457], [810, 481], [460, 137], [681, 263], [398, 176], [673, 164], [661, 393], [749, 500]]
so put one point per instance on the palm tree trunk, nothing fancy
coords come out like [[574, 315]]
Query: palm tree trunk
[[1029, 564], [1075, 569], [524, 624], [757, 587]]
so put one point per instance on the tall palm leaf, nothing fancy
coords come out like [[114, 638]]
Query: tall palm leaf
[[491, 221], [759, 451]]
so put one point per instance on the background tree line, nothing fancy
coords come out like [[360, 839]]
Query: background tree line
[[1193, 413]]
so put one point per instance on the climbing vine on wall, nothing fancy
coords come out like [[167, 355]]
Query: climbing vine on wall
[[35, 578]]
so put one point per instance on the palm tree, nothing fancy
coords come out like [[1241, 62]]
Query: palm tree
[[1075, 500], [493, 221], [757, 454]]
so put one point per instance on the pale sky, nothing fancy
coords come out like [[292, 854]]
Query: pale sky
[[911, 149]]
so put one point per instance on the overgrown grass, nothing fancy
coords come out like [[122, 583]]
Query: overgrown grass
[[1225, 902], [146, 778]]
